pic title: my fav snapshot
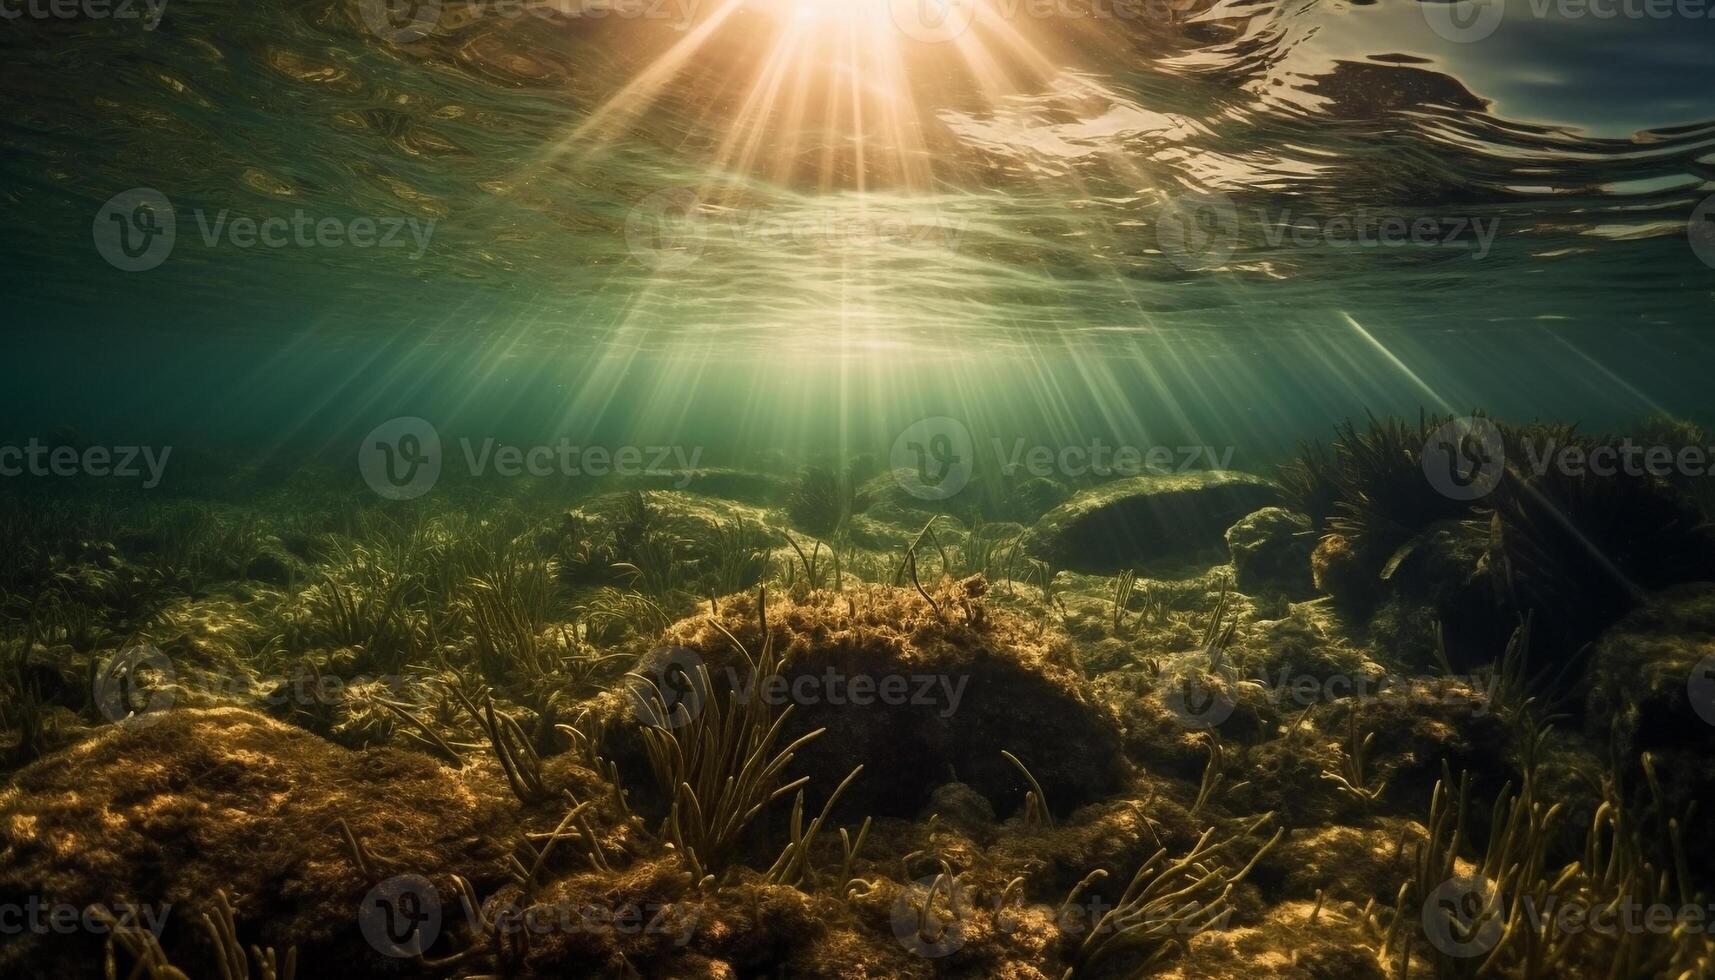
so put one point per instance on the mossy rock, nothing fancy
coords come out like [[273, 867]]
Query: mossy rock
[[168, 809], [947, 692], [1271, 553], [1144, 519], [744, 486], [1651, 689]]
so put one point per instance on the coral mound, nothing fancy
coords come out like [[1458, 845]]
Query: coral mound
[[168, 810], [919, 694]]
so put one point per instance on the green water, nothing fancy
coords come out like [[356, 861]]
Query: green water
[[558, 268]]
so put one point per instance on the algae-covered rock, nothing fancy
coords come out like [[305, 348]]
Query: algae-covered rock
[[165, 810], [1652, 690], [666, 533], [745, 486], [1337, 570], [1271, 552], [1440, 578], [918, 695], [1147, 518]]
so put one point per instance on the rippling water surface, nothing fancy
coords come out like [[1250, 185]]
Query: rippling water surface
[[753, 180]]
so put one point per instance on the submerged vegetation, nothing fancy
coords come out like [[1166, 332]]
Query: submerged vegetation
[[831, 737]]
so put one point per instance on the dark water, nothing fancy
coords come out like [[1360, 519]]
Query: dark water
[[764, 229]]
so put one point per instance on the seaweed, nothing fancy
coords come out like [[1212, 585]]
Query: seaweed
[[715, 758], [822, 500]]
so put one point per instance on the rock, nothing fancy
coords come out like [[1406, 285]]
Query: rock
[[1031, 498], [1422, 724], [744, 486], [1147, 518], [166, 810], [918, 698], [1337, 569], [1651, 688], [1441, 577], [961, 806], [691, 531], [1271, 553]]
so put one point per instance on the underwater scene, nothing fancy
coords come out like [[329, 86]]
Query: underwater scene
[[729, 489]]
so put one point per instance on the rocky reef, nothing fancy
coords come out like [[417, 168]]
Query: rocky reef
[[1315, 726]]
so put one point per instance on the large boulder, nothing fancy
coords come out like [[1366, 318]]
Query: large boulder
[[1147, 518], [1270, 551], [918, 696], [1651, 689]]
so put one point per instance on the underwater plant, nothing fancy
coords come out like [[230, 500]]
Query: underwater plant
[[823, 500], [719, 764], [1310, 483], [1580, 550], [1165, 903], [221, 927], [1384, 499], [1489, 908], [507, 610]]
